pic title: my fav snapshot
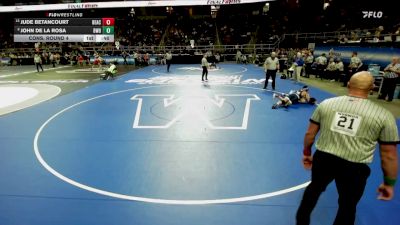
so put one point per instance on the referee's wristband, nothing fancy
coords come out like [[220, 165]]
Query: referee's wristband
[[389, 181], [307, 151]]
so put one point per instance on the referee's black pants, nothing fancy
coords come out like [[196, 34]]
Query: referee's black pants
[[168, 64], [268, 74], [350, 179], [204, 73], [39, 65], [388, 88]]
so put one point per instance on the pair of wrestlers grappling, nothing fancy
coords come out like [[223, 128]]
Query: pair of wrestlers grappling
[[294, 97]]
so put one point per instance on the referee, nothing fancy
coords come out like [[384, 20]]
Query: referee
[[271, 65], [350, 127], [204, 65], [168, 58], [392, 72]]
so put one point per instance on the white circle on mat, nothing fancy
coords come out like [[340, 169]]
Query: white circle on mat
[[138, 198]]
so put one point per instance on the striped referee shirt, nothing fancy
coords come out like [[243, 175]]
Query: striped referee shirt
[[350, 128], [390, 74]]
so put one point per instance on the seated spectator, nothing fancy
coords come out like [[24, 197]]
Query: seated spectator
[[321, 62], [80, 60], [98, 61], [309, 59], [354, 67], [340, 69], [331, 70]]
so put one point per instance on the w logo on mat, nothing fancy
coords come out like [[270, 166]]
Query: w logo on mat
[[223, 111]]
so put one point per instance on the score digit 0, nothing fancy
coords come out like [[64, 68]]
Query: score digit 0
[[108, 30], [108, 21]]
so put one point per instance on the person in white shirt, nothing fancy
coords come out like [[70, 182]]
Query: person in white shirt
[[271, 65], [331, 70], [299, 63], [354, 67], [390, 77], [38, 62], [204, 65], [136, 58], [321, 64], [52, 59], [309, 61], [340, 69], [238, 56], [339, 65], [57, 57], [168, 58]]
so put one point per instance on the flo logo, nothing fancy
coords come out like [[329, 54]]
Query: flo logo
[[223, 111], [372, 14]]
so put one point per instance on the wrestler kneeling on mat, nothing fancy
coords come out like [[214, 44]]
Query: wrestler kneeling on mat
[[294, 97]]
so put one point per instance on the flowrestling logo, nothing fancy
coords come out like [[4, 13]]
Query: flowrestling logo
[[372, 14]]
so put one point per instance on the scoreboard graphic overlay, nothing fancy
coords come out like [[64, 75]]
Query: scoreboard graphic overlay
[[64, 30]]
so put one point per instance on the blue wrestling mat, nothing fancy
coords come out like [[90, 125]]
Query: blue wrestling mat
[[165, 148]]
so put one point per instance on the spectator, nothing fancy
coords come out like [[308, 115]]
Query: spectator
[[238, 56], [52, 59], [331, 70], [354, 67], [308, 62], [321, 62], [340, 69], [299, 62], [38, 62]]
